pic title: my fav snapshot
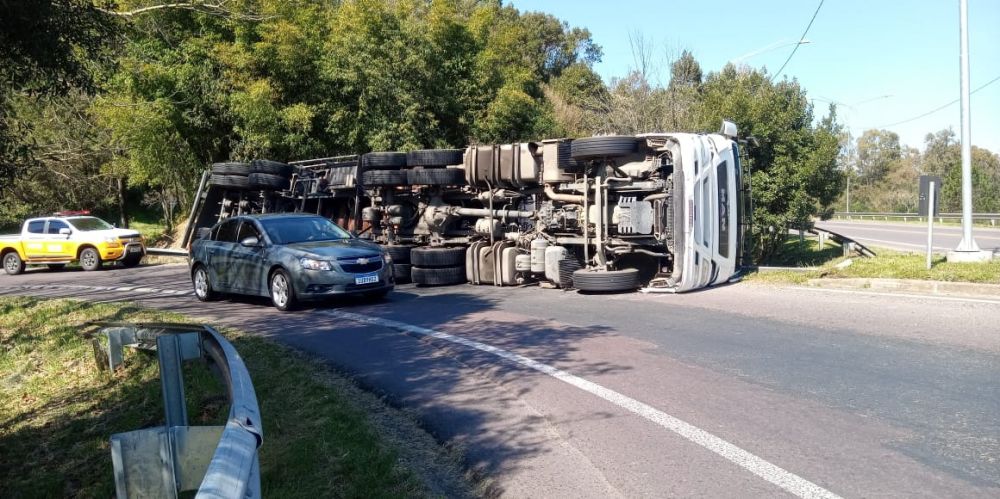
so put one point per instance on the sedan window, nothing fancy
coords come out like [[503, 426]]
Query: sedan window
[[247, 230], [298, 230], [227, 231]]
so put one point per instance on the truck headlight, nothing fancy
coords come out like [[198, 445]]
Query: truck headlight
[[110, 239], [310, 264]]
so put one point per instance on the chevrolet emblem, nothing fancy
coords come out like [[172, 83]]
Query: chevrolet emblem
[[362, 261]]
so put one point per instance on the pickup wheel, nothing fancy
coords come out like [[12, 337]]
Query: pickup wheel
[[602, 147], [282, 293], [132, 260], [90, 259], [606, 280], [202, 286], [12, 263]]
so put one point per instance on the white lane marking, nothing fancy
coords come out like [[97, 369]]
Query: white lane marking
[[74, 287], [772, 473], [904, 295], [898, 243]]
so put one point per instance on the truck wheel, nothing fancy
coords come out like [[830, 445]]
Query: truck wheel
[[231, 168], [441, 276], [270, 167], [402, 272], [282, 293], [437, 257], [202, 286], [399, 254], [606, 280], [90, 259], [234, 182], [383, 177], [12, 263], [434, 157], [441, 176], [599, 147], [267, 182], [56, 266], [383, 160]]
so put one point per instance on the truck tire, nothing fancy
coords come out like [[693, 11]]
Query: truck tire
[[12, 263], [437, 257], [375, 178], [606, 280], [445, 176], [399, 254], [402, 272], [600, 147], [566, 268], [90, 259], [232, 182], [383, 160], [231, 168], [441, 276], [267, 182], [434, 157], [270, 167]]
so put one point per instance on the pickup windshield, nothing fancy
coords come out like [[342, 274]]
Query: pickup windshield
[[89, 223], [300, 230]]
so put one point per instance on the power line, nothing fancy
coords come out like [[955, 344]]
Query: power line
[[801, 38], [932, 111]]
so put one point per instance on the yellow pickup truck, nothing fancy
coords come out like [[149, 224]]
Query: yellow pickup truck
[[58, 240]]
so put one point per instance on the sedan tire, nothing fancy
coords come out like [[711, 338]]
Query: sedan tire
[[202, 286], [281, 290]]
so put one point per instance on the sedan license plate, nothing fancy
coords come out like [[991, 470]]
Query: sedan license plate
[[366, 278]]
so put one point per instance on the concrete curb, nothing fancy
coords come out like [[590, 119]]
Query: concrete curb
[[911, 286]]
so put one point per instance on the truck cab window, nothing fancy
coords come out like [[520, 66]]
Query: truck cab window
[[722, 174], [55, 226], [36, 227]]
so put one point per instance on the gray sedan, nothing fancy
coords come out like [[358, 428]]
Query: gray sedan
[[288, 257]]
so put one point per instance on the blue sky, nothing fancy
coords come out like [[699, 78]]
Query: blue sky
[[884, 61]]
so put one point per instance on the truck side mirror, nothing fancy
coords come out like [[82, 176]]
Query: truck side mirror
[[65, 232]]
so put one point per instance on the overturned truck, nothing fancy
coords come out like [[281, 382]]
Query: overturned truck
[[666, 212]]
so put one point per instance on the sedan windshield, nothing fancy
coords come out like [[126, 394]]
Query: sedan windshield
[[89, 223], [300, 230]]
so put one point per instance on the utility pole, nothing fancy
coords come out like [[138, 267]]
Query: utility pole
[[968, 250]]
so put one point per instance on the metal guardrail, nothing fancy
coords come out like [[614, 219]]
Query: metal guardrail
[[992, 218], [217, 461], [166, 252]]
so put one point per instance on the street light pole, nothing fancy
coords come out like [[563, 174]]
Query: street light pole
[[968, 250]]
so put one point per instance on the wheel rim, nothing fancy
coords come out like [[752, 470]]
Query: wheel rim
[[279, 290], [88, 259], [11, 263], [200, 283]]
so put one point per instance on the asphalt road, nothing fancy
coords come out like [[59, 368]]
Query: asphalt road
[[738, 391], [911, 237]]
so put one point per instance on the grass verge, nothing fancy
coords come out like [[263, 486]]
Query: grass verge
[[885, 265], [323, 436]]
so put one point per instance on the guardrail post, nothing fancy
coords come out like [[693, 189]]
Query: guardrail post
[[168, 350]]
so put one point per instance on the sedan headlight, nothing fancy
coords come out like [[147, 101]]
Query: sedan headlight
[[310, 264]]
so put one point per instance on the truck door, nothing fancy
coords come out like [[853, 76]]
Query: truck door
[[34, 239], [58, 246]]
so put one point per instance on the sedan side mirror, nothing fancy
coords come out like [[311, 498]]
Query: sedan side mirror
[[250, 242]]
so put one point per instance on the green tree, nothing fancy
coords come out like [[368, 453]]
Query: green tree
[[794, 169], [47, 47], [878, 151]]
